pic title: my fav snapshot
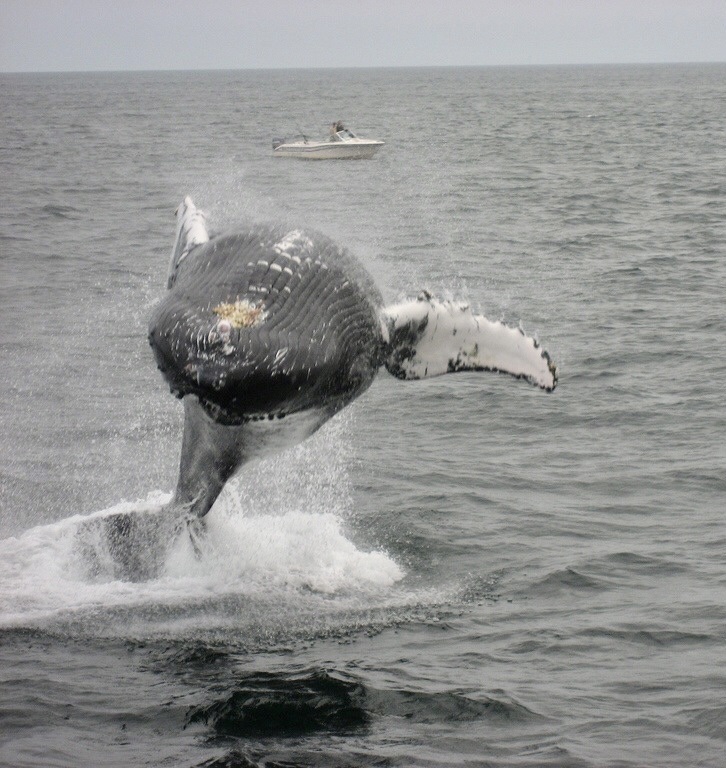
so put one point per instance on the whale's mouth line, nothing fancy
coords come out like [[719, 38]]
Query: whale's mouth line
[[232, 418]]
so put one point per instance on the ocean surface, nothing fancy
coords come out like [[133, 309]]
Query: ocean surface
[[463, 571]]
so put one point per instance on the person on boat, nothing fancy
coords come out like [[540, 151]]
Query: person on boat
[[335, 127]]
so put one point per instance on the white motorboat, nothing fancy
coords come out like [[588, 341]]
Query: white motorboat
[[341, 144]]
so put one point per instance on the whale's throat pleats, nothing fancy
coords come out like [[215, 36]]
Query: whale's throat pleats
[[265, 324]]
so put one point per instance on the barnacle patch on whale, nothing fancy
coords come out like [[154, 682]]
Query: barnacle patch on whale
[[241, 314]]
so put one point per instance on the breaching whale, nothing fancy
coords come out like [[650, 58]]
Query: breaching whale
[[267, 332]]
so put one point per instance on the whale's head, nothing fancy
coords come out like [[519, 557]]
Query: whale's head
[[256, 330]]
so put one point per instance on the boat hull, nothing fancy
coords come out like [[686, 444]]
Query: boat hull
[[329, 150]]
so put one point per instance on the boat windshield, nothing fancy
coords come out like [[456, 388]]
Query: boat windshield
[[344, 135]]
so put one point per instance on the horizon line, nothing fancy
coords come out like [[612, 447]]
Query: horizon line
[[359, 67]]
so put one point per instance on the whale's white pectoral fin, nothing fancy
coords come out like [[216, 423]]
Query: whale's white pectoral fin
[[191, 230], [430, 337]]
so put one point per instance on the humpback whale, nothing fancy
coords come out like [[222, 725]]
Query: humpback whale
[[266, 333]]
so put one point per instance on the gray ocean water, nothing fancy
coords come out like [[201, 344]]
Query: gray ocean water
[[459, 571]]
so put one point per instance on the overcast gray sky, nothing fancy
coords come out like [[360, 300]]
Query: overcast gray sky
[[51, 35]]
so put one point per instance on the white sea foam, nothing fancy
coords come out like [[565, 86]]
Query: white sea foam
[[44, 574], [296, 549]]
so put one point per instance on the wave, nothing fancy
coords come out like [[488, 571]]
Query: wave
[[567, 580], [265, 704], [709, 721], [269, 704], [650, 637], [61, 211]]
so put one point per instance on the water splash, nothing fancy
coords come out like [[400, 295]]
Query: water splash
[[65, 568], [277, 563]]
